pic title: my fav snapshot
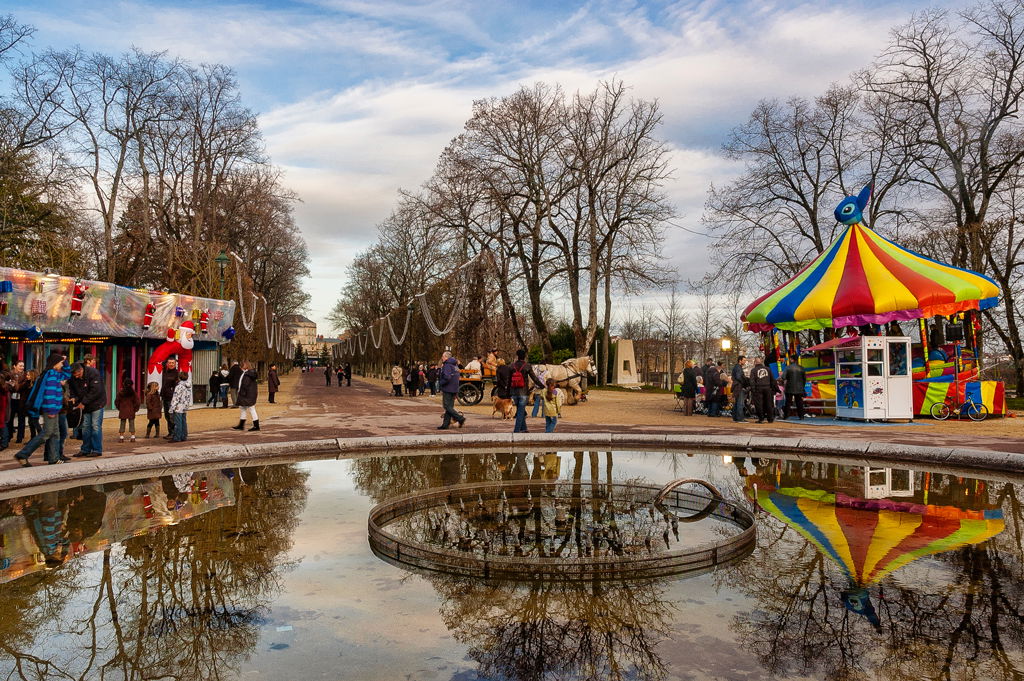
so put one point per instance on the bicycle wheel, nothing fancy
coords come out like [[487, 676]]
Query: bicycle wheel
[[975, 411], [940, 411]]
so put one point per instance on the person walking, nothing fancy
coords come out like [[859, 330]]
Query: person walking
[[712, 390], [19, 388], [248, 391], [234, 378], [327, 374], [688, 385], [180, 403], [538, 395], [412, 380], [274, 383], [517, 376], [224, 380], [31, 376], [46, 399], [764, 387], [168, 382], [154, 408], [348, 374], [552, 397], [92, 401], [796, 382], [214, 386], [740, 385], [127, 403], [341, 376], [396, 380], [432, 374], [449, 378]]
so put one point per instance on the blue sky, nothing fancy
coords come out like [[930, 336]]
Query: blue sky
[[357, 98]]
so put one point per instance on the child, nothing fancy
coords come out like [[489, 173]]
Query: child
[[154, 408], [127, 403], [552, 406], [180, 403]]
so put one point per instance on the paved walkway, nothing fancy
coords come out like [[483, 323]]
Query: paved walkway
[[307, 410]]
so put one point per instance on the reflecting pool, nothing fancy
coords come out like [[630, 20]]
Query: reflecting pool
[[266, 573]]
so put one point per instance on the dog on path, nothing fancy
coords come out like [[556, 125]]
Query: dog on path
[[505, 407]]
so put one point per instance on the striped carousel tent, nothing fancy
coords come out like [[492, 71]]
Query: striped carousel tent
[[863, 278], [868, 539]]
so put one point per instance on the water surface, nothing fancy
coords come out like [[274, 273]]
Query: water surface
[[266, 573]]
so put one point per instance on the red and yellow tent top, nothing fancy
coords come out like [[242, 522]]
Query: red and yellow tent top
[[863, 278]]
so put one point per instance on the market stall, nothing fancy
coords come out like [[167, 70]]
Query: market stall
[[121, 326], [863, 284]]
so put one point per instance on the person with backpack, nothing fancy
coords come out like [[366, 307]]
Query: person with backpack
[[514, 378], [449, 378], [46, 399]]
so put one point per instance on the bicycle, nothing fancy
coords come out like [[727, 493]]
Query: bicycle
[[974, 410]]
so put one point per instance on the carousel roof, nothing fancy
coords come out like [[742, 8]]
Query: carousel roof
[[863, 278], [870, 540]]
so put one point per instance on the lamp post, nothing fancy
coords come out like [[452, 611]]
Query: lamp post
[[668, 362], [726, 348], [222, 261]]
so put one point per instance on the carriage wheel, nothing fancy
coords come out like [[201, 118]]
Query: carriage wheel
[[470, 394]]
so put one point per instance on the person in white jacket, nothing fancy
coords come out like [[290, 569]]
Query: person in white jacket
[[180, 403]]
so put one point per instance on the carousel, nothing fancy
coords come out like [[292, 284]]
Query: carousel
[[883, 332]]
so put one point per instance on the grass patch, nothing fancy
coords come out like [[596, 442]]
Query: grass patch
[[1015, 403]]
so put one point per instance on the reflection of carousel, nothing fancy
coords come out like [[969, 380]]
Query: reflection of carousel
[[563, 530], [870, 538], [849, 302]]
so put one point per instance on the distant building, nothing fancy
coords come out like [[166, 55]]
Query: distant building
[[300, 330]]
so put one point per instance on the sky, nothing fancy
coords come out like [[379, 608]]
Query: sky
[[357, 98]]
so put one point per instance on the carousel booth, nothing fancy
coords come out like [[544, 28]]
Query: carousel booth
[[129, 331], [882, 332]]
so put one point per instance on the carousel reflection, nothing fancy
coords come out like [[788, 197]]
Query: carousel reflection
[[882, 573]]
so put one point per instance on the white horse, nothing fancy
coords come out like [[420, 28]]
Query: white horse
[[569, 375]]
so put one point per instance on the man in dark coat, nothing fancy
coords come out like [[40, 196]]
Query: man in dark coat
[[764, 387], [234, 376], [93, 396], [449, 389], [712, 390], [432, 375], [168, 382], [348, 375], [796, 380], [740, 384], [247, 394], [273, 382], [327, 374]]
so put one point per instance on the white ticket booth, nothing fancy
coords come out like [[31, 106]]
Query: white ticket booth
[[873, 380]]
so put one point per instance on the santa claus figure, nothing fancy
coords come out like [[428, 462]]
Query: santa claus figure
[[147, 317], [179, 344], [77, 298], [204, 321]]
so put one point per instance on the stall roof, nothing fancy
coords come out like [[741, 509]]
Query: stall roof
[[845, 340], [37, 299]]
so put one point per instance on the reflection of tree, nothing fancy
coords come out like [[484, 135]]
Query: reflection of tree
[[183, 602], [954, 615], [556, 631]]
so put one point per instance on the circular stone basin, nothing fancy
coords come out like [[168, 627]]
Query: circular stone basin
[[561, 530]]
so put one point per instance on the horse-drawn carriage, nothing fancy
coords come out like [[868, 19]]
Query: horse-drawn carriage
[[568, 375]]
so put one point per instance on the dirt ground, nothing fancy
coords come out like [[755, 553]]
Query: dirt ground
[[307, 409]]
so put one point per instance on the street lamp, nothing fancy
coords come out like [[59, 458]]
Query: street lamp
[[668, 362], [222, 261], [726, 348]]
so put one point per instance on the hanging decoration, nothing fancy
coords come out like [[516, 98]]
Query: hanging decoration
[[379, 338], [77, 298], [204, 321], [147, 317], [248, 321], [33, 333], [408, 317], [229, 333]]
